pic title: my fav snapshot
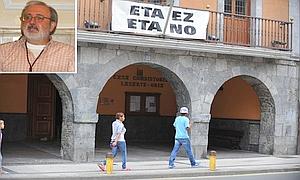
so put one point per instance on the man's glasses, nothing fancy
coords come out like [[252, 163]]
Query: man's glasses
[[37, 18]]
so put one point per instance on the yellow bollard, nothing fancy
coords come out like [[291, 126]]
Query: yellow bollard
[[212, 160], [109, 163]]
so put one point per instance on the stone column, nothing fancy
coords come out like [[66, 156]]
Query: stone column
[[84, 127], [199, 135], [84, 142], [298, 141]]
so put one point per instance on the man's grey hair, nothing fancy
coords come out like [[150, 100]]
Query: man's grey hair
[[53, 13]]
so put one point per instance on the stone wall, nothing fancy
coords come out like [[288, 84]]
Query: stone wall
[[298, 152], [195, 77]]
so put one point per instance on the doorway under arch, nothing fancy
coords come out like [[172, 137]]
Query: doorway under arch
[[35, 108], [243, 115], [150, 96]]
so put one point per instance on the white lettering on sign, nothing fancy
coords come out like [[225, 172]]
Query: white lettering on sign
[[151, 19]]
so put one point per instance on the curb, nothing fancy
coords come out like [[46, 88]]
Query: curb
[[144, 174]]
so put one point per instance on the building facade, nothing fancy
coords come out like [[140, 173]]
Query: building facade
[[240, 84]]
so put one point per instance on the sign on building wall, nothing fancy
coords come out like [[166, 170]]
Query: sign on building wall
[[151, 19]]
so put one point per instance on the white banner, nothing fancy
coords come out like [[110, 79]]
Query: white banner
[[150, 19]]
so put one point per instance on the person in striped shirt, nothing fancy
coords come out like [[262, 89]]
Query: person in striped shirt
[[35, 51]]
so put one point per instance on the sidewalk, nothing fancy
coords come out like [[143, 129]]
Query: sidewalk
[[153, 169]]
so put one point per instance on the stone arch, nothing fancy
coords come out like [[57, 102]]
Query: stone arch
[[67, 139], [182, 99], [267, 112], [179, 88]]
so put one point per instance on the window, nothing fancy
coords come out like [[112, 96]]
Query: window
[[227, 6], [240, 7], [235, 6], [134, 103], [142, 103]]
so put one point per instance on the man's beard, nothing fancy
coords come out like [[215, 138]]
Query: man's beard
[[34, 36]]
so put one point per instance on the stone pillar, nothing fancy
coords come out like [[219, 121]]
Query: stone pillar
[[298, 141], [199, 135], [84, 142], [84, 127]]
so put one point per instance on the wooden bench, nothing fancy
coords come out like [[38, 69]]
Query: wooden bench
[[225, 138]]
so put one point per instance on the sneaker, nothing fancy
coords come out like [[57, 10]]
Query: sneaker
[[196, 165], [171, 166], [101, 166]]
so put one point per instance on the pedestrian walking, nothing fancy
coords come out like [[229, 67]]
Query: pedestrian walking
[[118, 142], [1, 127], [36, 51], [182, 125]]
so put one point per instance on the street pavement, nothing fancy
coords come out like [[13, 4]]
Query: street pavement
[[144, 162], [152, 169]]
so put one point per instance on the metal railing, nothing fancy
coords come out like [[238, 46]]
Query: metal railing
[[249, 31], [95, 15]]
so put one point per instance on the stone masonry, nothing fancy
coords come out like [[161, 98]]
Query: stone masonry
[[195, 77]]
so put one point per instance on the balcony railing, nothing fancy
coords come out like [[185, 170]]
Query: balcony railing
[[95, 15]]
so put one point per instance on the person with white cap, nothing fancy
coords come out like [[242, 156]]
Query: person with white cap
[[182, 125]]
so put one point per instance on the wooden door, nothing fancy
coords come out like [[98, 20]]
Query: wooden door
[[42, 95], [237, 22]]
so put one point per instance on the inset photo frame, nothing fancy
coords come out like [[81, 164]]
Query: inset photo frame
[[38, 36]]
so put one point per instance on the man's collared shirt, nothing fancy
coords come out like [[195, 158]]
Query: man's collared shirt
[[56, 57]]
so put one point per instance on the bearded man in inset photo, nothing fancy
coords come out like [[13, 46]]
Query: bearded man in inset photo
[[35, 51]]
